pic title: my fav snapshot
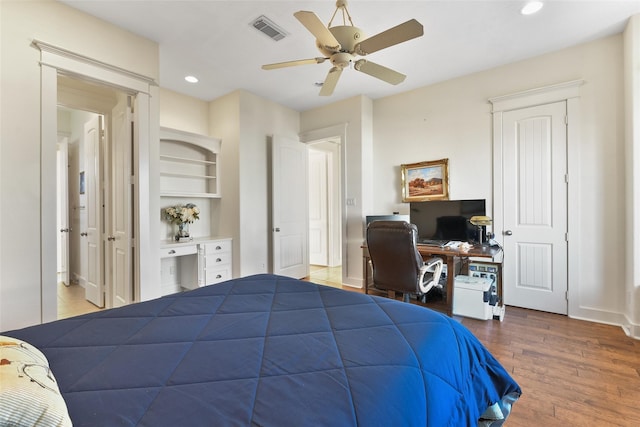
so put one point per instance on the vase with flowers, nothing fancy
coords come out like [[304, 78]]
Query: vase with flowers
[[182, 216]]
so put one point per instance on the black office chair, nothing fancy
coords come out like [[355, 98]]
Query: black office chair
[[397, 264]]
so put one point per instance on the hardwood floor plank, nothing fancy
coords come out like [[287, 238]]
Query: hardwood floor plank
[[572, 372]]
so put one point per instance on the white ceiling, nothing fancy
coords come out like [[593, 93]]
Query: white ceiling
[[213, 40]]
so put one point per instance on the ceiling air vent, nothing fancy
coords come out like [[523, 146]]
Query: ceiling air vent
[[266, 26]]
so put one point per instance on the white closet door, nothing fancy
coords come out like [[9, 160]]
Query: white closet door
[[535, 207]]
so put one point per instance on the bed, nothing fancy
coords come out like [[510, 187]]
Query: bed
[[268, 350]]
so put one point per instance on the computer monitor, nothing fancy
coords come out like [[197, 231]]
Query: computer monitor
[[448, 219]]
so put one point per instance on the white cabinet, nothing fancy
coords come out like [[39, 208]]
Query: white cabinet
[[189, 165], [214, 262], [201, 262]]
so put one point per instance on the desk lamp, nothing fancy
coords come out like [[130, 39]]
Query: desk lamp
[[480, 221]]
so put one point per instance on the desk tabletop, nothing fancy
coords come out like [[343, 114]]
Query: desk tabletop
[[479, 251]]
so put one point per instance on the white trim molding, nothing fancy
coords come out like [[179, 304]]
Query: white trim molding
[[537, 96], [74, 64]]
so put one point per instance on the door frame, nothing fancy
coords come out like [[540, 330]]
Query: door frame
[[331, 150], [55, 61], [337, 133], [63, 208], [569, 92]]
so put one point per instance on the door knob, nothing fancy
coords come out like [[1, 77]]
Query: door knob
[[277, 229], [111, 238], [84, 233], [64, 230], [508, 233]]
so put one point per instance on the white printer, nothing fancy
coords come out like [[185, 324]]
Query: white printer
[[471, 297]]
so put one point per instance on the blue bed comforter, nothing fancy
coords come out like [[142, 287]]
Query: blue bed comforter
[[268, 350]]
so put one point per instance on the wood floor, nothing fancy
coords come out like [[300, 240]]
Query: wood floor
[[572, 372]]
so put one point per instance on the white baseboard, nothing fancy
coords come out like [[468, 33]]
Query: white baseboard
[[607, 318]]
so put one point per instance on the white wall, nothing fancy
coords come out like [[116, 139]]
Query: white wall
[[21, 284], [452, 120], [632, 156], [183, 112], [245, 122]]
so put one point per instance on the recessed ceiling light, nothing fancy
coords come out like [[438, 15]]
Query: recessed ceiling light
[[191, 79], [531, 7]]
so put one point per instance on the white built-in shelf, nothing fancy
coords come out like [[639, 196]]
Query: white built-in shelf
[[189, 195], [188, 165], [186, 160]]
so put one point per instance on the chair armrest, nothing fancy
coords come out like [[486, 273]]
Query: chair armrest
[[433, 266]]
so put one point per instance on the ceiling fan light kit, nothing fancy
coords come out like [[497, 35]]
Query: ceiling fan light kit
[[341, 44]]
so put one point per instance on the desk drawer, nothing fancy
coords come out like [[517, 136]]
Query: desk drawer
[[217, 275], [178, 251], [213, 260], [216, 247]]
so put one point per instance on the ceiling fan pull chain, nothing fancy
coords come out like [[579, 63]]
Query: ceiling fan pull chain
[[332, 16], [346, 11]]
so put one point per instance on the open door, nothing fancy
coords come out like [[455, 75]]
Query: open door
[[93, 135], [62, 184], [290, 219], [121, 220]]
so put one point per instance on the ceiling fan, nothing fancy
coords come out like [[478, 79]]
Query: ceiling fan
[[342, 43]]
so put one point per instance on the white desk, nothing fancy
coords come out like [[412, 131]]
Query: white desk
[[199, 262]]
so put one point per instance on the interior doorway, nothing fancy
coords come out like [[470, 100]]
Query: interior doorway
[[94, 122], [325, 211]]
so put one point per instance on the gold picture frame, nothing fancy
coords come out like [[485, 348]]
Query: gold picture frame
[[425, 181]]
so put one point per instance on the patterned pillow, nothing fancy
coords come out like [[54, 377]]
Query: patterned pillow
[[29, 393]]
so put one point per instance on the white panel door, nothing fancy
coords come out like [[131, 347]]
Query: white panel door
[[94, 286], [63, 210], [318, 214], [290, 226], [119, 279], [535, 207]]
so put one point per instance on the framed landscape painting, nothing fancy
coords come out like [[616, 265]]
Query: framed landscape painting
[[425, 181]]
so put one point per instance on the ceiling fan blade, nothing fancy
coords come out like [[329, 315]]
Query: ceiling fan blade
[[331, 81], [378, 71], [398, 34], [311, 21], [318, 60]]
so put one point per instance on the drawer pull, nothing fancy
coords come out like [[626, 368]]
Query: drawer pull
[[171, 252], [218, 248], [218, 260]]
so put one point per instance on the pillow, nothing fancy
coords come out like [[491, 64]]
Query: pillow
[[29, 393]]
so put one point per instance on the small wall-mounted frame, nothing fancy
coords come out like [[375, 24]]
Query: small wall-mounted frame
[[425, 181], [82, 182]]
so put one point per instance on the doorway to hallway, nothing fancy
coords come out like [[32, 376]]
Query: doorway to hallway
[[325, 209], [94, 196]]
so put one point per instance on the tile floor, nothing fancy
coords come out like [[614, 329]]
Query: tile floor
[[71, 301], [330, 276]]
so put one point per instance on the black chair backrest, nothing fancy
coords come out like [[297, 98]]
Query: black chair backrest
[[395, 258]]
